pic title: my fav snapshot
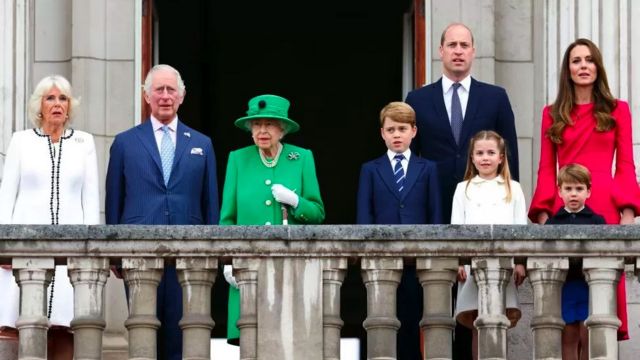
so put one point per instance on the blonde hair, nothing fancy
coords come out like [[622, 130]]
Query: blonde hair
[[503, 168], [398, 111], [34, 107]]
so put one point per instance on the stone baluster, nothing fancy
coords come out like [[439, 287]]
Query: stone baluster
[[602, 275], [142, 275], [491, 276], [88, 276], [547, 276], [197, 276], [33, 277], [246, 274], [437, 276], [381, 277], [333, 273]]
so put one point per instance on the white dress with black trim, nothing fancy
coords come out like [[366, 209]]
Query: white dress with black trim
[[46, 183]]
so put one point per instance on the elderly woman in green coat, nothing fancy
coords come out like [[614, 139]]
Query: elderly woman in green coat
[[269, 183]]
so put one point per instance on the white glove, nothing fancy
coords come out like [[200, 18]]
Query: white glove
[[228, 275], [284, 195]]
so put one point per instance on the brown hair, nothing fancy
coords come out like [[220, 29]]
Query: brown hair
[[398, 111], [574, 173], [604, 102], [503, 168]]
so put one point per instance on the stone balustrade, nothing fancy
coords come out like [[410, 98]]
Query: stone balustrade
[[290, 279]]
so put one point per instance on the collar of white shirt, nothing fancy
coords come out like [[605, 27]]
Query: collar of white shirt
[[447, 83], [391, 154], [477, 179], [156, 124]]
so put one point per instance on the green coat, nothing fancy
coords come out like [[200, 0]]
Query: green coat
[[247, 199]]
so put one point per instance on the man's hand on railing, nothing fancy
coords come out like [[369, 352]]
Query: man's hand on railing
[[228, 275], [519, 273], [462, 275]]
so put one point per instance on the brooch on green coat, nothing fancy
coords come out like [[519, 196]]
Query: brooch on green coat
[[294, 155]]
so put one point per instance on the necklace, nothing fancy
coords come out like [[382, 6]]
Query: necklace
[[274, 161]]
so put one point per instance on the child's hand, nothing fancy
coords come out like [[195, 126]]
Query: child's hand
[[519, 273], [462, 275]]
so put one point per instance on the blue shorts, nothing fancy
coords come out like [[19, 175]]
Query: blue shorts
[[575, 301]]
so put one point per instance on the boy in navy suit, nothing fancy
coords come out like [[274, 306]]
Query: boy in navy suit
[[401, 188]]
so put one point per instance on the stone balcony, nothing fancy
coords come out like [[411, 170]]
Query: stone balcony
[[298, 271]]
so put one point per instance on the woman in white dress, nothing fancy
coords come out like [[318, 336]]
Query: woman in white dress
[[50, 177]]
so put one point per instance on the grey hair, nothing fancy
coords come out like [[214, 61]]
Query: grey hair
[[34, 108], [149, 79]]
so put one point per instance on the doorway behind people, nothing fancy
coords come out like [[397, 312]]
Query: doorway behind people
[[338, 62]]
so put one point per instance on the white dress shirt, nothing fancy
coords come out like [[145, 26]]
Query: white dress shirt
[[463, 93], [158, 133], [405, 161]]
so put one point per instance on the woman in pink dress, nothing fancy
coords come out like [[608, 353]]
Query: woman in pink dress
[[588, 126]]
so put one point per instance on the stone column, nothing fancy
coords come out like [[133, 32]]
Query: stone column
[[603, 275], [196, 275], [381, 276], [88, 276], [246, 274], [437, 276], [142, 276], [333, 273], [491, 276], [33, 276], [547, 276]]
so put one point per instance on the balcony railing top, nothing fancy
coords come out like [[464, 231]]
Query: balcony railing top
[[318, 241]]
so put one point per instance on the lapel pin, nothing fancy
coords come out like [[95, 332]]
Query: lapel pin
[[187, 134]]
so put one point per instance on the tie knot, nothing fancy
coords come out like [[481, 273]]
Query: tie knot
[[456, 86], [165, 129], [399, 157]]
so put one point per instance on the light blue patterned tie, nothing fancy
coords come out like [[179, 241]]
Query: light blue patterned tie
[[456, 113], [167, 150], [398, 172]]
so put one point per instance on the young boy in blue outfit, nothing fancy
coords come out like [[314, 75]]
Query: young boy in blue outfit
[[401, 188], [574, 187]]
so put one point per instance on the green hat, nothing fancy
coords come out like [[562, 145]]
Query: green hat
[[268, 107]]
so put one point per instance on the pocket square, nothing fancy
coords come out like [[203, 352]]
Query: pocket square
[[197, 151]]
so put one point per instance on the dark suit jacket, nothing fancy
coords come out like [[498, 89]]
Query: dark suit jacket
[[380, 203], [135, 189], [488, 108]]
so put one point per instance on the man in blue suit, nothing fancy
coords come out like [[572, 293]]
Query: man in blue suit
[[401, 188], [483, 106], [162, 172], [448, 113]]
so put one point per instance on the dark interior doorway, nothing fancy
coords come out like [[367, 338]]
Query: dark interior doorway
[[338, 62]]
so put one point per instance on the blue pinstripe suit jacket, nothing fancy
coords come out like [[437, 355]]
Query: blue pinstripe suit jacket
[[135, 189]]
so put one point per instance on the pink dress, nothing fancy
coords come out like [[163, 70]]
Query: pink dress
[[611, 191]]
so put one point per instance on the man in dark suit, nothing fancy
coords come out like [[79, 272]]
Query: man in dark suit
[[162, 172], [448, 113], [484, 107], [401, 188]]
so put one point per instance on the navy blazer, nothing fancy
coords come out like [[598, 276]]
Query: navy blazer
[[379, 201], [488, 108], [135, 189]]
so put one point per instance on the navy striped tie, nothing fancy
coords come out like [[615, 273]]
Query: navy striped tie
[[398, 172]]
